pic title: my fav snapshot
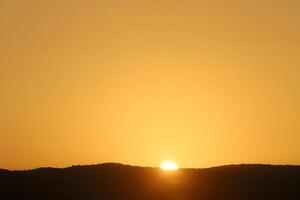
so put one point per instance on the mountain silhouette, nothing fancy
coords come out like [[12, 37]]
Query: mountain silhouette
[[112, 181]]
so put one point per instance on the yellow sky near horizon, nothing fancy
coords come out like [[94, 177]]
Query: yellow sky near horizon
[[202, 83]]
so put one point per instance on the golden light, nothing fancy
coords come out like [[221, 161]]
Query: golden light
[[168, 166]]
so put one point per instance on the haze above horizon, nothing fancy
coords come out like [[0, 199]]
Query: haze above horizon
[[202, 83]]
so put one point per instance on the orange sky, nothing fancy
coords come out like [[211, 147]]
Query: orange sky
[[202, 83]]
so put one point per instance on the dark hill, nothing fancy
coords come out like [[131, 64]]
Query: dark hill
[[122, 182]]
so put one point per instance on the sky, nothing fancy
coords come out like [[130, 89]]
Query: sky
[[199, 82]]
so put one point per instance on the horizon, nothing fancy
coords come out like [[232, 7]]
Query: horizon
[[155, 167], [118, 181], [199, 83]]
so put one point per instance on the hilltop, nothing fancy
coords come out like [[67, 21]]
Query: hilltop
[[113, 181]]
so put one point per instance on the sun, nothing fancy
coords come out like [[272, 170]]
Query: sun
[[168, 166]]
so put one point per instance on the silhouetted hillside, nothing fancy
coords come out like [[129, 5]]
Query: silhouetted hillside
[[122, 182]]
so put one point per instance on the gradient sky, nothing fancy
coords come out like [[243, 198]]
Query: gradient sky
[[202, 83]]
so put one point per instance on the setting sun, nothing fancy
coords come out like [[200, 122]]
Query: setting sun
[[168, 166]]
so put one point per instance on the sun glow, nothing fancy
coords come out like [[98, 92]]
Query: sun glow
[[168, 166]]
